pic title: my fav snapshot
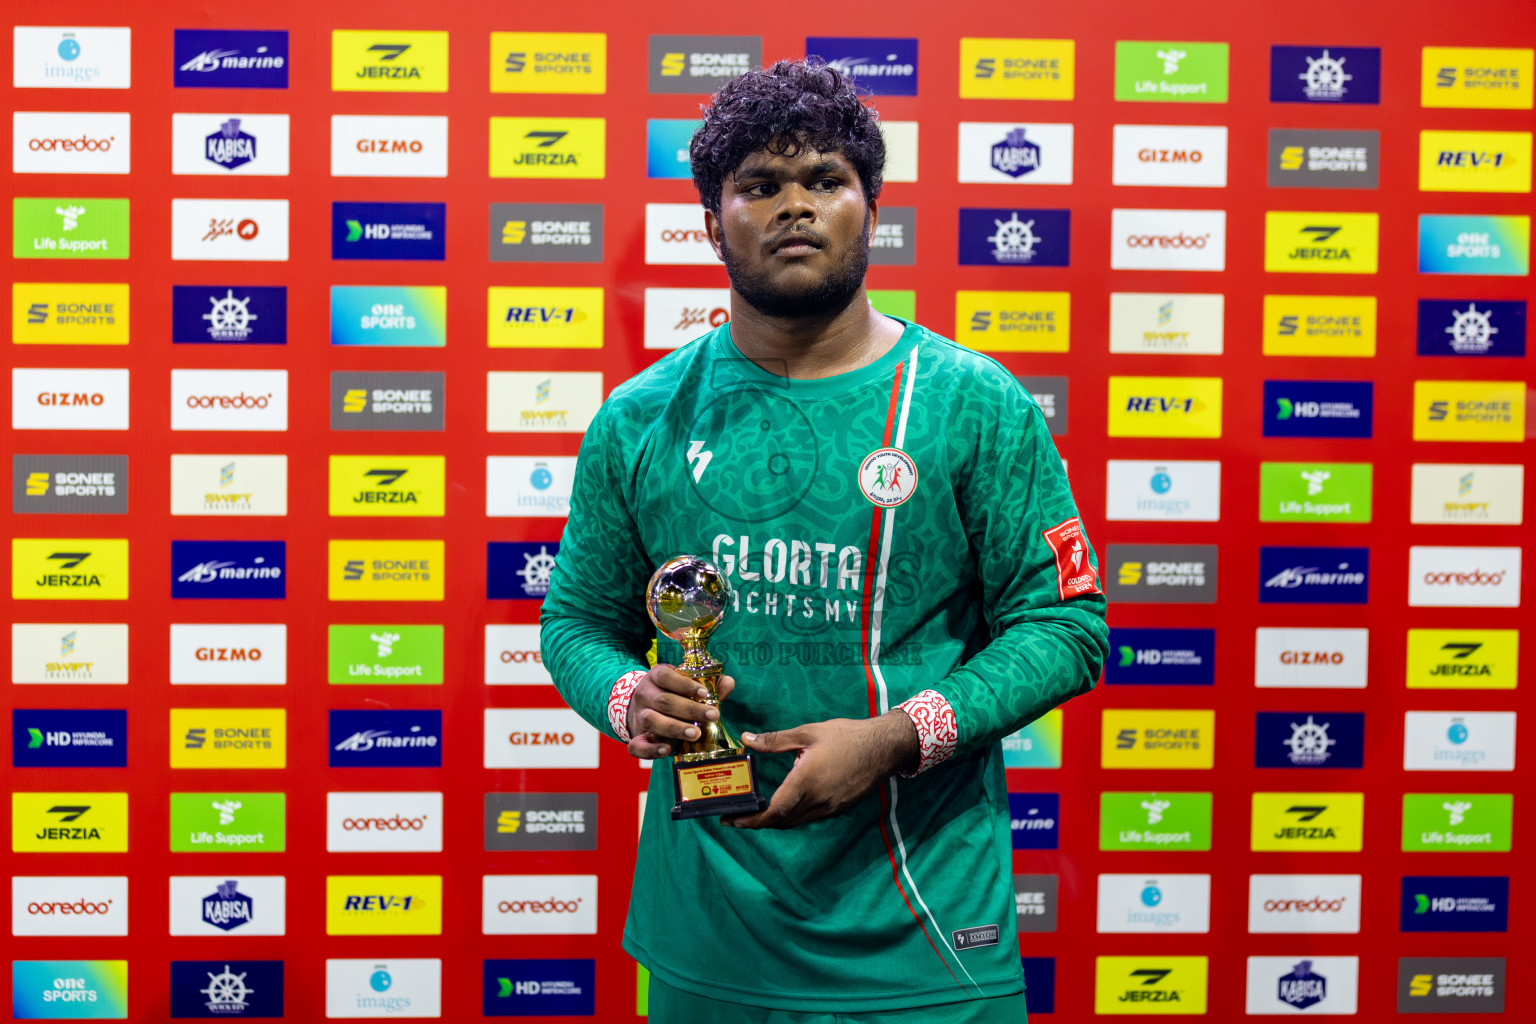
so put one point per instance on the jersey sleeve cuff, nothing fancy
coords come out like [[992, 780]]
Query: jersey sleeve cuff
[[937, 732], [618, 702]]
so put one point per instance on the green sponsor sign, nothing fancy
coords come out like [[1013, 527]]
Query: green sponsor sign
[[69, 229], [894, 303], [228, 822], [384, 655], [1171, 72], [1154, 821], [1458, 821], [1315, 492], [642, 991]]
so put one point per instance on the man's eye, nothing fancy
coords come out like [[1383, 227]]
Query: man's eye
[[829, 184], [760, 189]]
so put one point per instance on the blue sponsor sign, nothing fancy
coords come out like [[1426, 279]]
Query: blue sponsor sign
[[228, 59], [1039, 983], [1471, 327], [666, 148], [1445, 903], [540, 988], [1499, 244], [1309, 739], [1324, 74], [885, 67], [1015, 238], [388, 231], [386, 739], [1033, 820], [229, 314], [1161, 657], [226, 989], [1314, 575], [518, 570], [50, 738], [1318, 408], [229, 568]]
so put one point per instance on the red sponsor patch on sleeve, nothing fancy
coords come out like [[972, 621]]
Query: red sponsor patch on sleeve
[[1075, 574]]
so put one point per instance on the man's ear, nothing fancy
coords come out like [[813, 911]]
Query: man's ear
[[873, 216], [712, 229]]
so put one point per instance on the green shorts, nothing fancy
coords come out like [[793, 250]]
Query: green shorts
[[670, 1005]]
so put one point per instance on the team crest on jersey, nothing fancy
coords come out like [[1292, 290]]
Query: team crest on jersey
[[888, 477], [1075, 574]]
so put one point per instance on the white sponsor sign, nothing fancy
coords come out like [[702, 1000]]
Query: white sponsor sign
[[59, 905], [68, 57], [1461, 493], [1304, 904], [384, 822], [518, 402], [1150, 490], [1013, 153], [538, 905], [229, 229], [1463, 577], [218, 905], [538, 738], [229, 144], [239, 654], [229, 399], [59, 399], [900, 150], [383, 988], [529, 485], [1168, 240], [1182, 155], [512, 657], [389, 147], [1166, 323], [1451, 741], [1303, 984], [69, 652], [676, 316], [1323, 658], [674, 234], [1154, 903], [61, 143], [229, 485]]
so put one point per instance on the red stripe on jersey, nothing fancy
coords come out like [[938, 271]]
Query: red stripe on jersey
[[885, 810]]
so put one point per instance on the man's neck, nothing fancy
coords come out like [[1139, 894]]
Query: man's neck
[[812, 347]]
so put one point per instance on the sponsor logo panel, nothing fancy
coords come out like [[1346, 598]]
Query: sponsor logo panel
[[1445, 984], [69, 314], [69, 822], [69, 484], [1315, 492], [1012, 153], [225, 822], [1165, 406], [385, 570], [386, 739], [59, 652], [1161, 573], [1474, 161], [69, 229], [699, 65], [71, 57], [69, 989], [1309, 739], [1017, 69], [538, 738], [229, 738], [894, 244], [1466, 493], [884, 67], [676, 316], [1050, 394], [413, 316], [1318, 408], [1458, 821], [1161, 657], [549, 62], [1454, 904], [1307, 822], [1015, 238], [529, 486], [1324, 158], [1036, 899], [215, 906], [1171, 73], [544, 317], [675, 235], [91, 905], [1304, 904], [1476, 76], [1036, 745], [1320, 325], [519, 570], [538, 905], [1467, 327], [1168, 240], [1463, 577], [1320, 243], [229, 144], [229, 229], [1296, 575], [225, 59], [229, 315], [666, 147], [1468, 741], [512, 656], [546, 232], [536, 988], [1498, 245], [1161, 904], [1150, 984], [388, 147], [1034, 820], [1154, 738], [69, 738], [1310, 985], [69, 399], [1166, 323], [541, 821], [69, 569], [67, 143], [388, 485], [1469, 410], [1153, 491], [388, 231], [384, 905], [1183, 156], [1326, 74], [1154, 821], [373, 61], [379, 655], [1324, 658], [384, 822], [229, 569], [383, 988], [1463, 659], [550, 403], [226, 989], [229, 653], [548, 147], [229, 485], [900, 150], [387, 401], [1014, 321]]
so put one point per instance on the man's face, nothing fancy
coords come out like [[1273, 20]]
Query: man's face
[[794, 232]]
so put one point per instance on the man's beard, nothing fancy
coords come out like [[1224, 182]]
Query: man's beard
[[828, 297]]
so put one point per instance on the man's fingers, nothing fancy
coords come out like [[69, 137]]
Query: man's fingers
[[647, 746], [725, 686], [665, 727], [681, 708], [783, 741], [670, 679]]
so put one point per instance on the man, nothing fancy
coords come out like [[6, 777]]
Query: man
[[910, 584]]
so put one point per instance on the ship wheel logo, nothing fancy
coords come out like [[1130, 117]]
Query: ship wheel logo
[[1309, 742], [1325, 77], [1472, 332], [1015, 240], [230, 318], [226, 992]]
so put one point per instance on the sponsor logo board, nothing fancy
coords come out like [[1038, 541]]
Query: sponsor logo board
[[1156, 738], [385, 570], [1323, 158], [1318, 408], [546, 232], [519, 570], [1469, 410], [700, 64], [1036, 745], [1012, 153], [217, 906], [1166, 323], [1463, 577], [226, 989], [1153, 491], [229, 653], [524, 988], [225, 822], [1161, 72], [883, 67], [676, 316], [1496, 245], [229, 485], [549, 62], [1320, 243], [229, 738], [229, 229], [388, 231], [1322, 658], [1168, 239], [1304, 904], [1161, 657], [69, 738], [1474, 161], [1463, 659], [1034, 820], [388, 147], [69, 229], [900, 149], [666, 147], [384, 988], [1471, 327], [90, 905], [1154, 821], [59, 652], [1315, 492], [548, 147], [1458, 821], [1036, 899], [414, 316], [550, 403], [1160, 904], [544, 317], [69, 569], [1467, 741], [387, 401], [674, 234], [1182, 156], [1307, 822], [67, 989], [538, 905], [1050, 395], [529, 485], [385, 739], [1476, 76], [229, 315], [1309, 739], [1468, 493], [229, 569], [69, 822], [538, 738], [1454, 904], [894, 243], [1015, 237], [1014, 321], [1165, 406], [228, 59], [1297, 575], [69, 484], [384, 822], [374, 61], [384, 905], [1161, 573], [540, 821], [1446, 984], [69, 399], [388, 485], [71, 57], [1310, 984], [1325, 74], [1150, 984], [230, 144], [383, 655], [512, 656], [1320, 325], [56, 142], [1017, 69], [69, 314]]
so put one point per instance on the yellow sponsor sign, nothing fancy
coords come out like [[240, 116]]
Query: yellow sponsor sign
[[1147, 738], [1474, 161], [1017, 69], [69, 569], [1320, 325], [69, 314], [544, 318], [385, 570], [386, 61], [1468, 410], [1327, 242], [549, 62], [1463, 659], [1165, 407], [229, 738], [1014, 321], [548, 147], [388, 485], [69, 822], [1476, 76], [1150, 984], [384, 905], [1306, 822]]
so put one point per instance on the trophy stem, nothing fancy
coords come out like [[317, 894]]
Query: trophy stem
[[715, 740]]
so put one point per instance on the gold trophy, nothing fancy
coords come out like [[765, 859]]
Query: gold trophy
[[712, 774]]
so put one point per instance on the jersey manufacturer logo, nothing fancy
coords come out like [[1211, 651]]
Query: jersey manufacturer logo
[[888, 477]]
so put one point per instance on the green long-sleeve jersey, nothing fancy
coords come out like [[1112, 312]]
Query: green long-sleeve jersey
[[901, 531]]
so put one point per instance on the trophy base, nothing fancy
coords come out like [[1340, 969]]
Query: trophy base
[[716, 786]]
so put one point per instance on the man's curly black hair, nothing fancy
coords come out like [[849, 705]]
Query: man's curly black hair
[[781, 108]]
